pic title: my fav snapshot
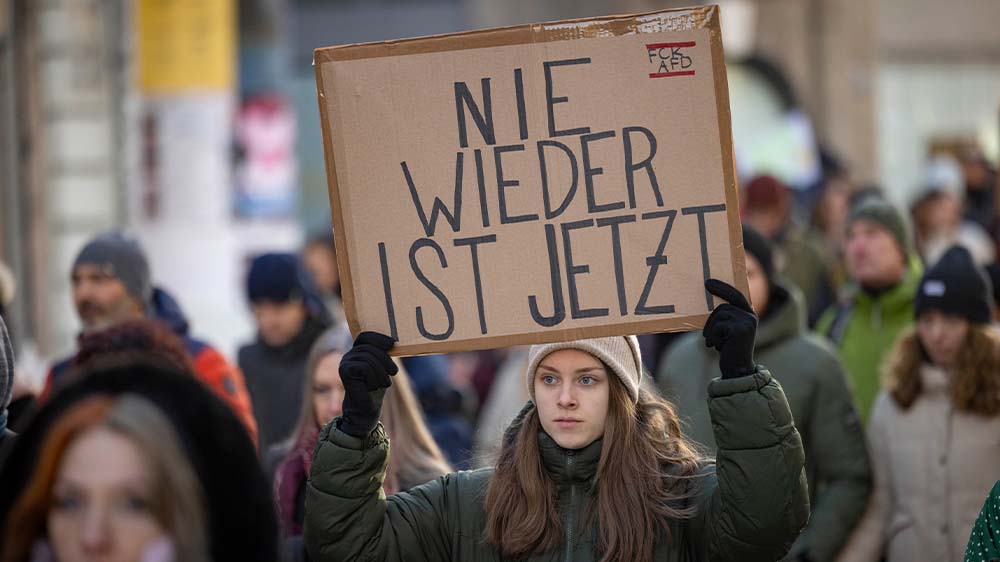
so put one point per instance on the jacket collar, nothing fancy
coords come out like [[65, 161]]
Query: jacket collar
[[935, 380], [899, 298], [569, 466], [786, 320], [300, 345]]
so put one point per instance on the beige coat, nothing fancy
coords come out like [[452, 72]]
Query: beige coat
[[933, 468]]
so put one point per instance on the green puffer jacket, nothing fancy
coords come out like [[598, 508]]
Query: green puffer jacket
[[837, 464], [863, 328], [751, 505]]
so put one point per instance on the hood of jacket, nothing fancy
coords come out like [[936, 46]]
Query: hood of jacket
[[239, 508], [785, 317], [166, 309]]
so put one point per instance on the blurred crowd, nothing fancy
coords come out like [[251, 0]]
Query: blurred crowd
[[877, 319]]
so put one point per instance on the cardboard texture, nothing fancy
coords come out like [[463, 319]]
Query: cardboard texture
[[534, 183]]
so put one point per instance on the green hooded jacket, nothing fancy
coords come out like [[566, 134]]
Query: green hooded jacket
[[864, 328], [751, 504], [837, 464]]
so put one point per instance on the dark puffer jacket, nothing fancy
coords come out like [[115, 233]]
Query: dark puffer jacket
[[751, 505]]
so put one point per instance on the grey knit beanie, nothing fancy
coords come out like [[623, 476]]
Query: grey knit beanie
[[123, 258], [620, 353], [876, 209]]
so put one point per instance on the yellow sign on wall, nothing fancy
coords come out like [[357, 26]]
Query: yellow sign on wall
[[185, 45]]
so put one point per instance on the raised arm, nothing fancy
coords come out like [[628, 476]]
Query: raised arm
[[347, 514], [760, 503]]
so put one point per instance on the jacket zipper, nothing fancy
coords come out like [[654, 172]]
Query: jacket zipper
[[571, 509]]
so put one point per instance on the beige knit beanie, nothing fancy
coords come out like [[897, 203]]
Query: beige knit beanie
[[619, 353]]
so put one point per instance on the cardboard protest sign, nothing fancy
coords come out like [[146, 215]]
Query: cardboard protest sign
[[532, 184]]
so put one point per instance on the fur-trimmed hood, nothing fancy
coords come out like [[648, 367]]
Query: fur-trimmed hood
[[240, 511]]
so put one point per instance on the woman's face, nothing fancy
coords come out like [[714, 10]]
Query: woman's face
[[321, 261], [760, 287], [102, 501], [942, 336], [571, 396], [328, 391]]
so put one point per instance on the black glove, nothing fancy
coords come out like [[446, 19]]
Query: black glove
[[365, 369], [731, 330]]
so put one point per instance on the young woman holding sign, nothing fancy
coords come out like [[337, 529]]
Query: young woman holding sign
[[594, 468]]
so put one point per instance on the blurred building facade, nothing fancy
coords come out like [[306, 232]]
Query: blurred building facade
[[93, 133]]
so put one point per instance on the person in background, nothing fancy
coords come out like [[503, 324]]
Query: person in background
[[877, 304], [416, 457], [767, 207], [319, 257], [290, 315], [124, 342], [209, 364], [993, 272], [24, 393], [655, 346], [984, 542], [442, 403], [937, 216], [447, 406], [935, 426], [135, 462], [980, 179], [828, 224], [507, 396], [112, 284], [837, 465], [8, 288]]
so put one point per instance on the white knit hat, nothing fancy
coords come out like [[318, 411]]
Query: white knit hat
[[620, 353]]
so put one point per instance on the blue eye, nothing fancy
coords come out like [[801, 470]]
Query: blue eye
[[587, 380], [549, 379]]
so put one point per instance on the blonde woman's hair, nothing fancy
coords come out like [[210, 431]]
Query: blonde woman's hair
[[178, 499], [416, 457]]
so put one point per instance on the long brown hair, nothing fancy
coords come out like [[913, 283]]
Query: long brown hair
[[975, 384], [416, 457], [178, 502], [641, 483]]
